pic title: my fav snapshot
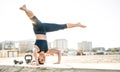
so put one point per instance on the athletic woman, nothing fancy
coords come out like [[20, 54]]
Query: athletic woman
[[40, 29]]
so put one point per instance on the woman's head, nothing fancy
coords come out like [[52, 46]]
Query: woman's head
[[41, 58]]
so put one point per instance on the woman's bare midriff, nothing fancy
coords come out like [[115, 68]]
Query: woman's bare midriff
[[41, 36]]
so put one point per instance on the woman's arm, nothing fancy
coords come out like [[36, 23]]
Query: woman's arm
[[54, 51]]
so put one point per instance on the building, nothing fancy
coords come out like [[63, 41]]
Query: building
[[8, 49], [85, 46], [61, 44], [49, 45], [7, 45], [26, 45]]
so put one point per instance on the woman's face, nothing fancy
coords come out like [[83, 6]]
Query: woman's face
[[41, 57]]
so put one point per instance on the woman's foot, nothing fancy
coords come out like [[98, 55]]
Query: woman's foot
[[23, 7], [80, 25], [72, 25]]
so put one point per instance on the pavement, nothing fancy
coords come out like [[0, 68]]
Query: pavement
[[66, 62]]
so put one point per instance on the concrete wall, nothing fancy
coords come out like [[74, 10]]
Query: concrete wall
[[8, 53], [96, 63], [91, 59], [4, 68]]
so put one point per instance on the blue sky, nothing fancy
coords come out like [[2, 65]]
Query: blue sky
[[102, 18]]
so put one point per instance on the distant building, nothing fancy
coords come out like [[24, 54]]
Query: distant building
[[49, 45], [61, 44], [0, 45], [26, 45], [8, 49], [17, 45], [85, 46], [7, 45]]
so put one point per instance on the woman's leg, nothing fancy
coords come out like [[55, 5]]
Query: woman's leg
[[54, 27], [28, 12]]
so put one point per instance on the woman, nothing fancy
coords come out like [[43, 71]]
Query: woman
[[40, 30]]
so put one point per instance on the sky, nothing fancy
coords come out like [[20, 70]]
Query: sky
[[102, 18]]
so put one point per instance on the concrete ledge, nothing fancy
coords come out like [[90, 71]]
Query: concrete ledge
[[18, 68], [94, 63]]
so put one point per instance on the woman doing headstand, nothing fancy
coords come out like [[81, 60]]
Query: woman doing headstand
[[40, 30]]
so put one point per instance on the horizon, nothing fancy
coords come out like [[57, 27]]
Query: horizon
[[68, 44]]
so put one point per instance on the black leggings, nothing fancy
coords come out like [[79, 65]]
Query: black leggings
[[42, 28]]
